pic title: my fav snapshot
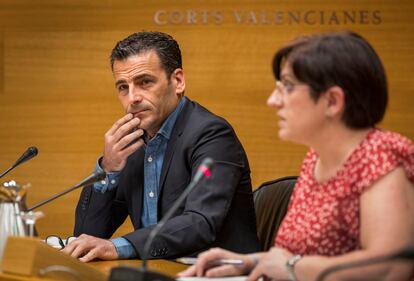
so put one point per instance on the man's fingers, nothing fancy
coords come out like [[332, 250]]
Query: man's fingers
[[88, 248], [77, 247], [116, 153], [128, 140], [119, 123], [79, 251], [125, 129], [69, 248], [131, 148], [91, 255]]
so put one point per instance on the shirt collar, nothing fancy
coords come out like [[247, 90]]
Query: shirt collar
[[168, 125]]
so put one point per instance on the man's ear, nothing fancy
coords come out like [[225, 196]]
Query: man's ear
[[335, 101], [179, 80]]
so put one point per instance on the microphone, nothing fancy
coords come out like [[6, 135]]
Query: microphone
[[94, 177], [28, 154], [125, 273], [406, 253]]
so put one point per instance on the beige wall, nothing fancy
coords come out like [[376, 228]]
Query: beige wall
[[57, 93]]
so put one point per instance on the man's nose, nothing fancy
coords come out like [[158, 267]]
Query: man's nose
[[134, 95]]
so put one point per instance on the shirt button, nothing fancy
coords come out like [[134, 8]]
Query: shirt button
[[151, 194], [113, 181], [150, 159]]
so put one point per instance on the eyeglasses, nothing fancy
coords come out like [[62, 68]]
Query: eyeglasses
[[286, 86], [57, 242]]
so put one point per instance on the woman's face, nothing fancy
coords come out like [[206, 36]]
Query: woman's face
[[300, 117]]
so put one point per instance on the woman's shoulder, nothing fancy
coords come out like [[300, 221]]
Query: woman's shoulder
[[384, 138], [382, 146], [381, 152]]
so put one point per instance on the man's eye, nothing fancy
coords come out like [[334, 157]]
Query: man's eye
[[146, 82], [122, 88]]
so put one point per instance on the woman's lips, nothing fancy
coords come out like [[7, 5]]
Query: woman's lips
[[281, 120]]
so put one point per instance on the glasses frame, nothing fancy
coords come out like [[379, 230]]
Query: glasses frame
[[62, 242], [287, 86]]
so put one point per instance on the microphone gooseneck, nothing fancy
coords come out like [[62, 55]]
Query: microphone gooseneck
[[406, 253], [204, 171], [94, 177], [124, 273], [27, 155]]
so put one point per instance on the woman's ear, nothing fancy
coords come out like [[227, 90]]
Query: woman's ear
[[335, 101]]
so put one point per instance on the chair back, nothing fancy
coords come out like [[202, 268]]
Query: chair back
[[271, 200]]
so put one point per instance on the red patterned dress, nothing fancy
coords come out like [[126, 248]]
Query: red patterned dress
[[323, 218]]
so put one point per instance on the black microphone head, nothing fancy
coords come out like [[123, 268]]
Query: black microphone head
[[406, 253], [33, 150], [28, 154]]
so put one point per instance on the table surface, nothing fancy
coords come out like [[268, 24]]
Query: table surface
[[170, 268]]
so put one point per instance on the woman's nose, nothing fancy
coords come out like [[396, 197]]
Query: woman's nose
[[274, 100]]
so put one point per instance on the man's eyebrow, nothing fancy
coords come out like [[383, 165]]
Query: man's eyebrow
[[135, 78], [141, 76], [119, 82]]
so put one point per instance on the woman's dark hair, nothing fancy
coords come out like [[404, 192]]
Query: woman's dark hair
[[164, 45], [340, 59]]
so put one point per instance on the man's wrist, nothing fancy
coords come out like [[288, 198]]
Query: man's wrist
[[123, 248], [109, 183], [102, 165]]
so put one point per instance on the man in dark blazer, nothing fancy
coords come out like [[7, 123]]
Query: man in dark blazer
[[151, 155]]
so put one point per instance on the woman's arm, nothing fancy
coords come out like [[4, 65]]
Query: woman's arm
[[387, 225]]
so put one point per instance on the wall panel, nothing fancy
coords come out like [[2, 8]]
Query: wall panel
[[1, 64], [56, 88]]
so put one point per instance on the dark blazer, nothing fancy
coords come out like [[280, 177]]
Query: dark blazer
[[217, 213]]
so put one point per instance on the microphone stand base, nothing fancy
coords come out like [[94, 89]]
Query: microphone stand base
[[126, 273]]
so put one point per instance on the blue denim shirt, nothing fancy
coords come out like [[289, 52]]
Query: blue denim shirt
[[153, 160]]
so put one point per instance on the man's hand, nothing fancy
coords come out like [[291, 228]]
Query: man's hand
[[88, 248], [121, 140]]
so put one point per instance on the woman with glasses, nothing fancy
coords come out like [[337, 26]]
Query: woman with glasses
[[354, 199]]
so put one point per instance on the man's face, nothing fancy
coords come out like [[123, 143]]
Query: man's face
[[145, 90]]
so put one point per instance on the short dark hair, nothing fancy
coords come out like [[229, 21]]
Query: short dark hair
[[343, 59], [164, 45]]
